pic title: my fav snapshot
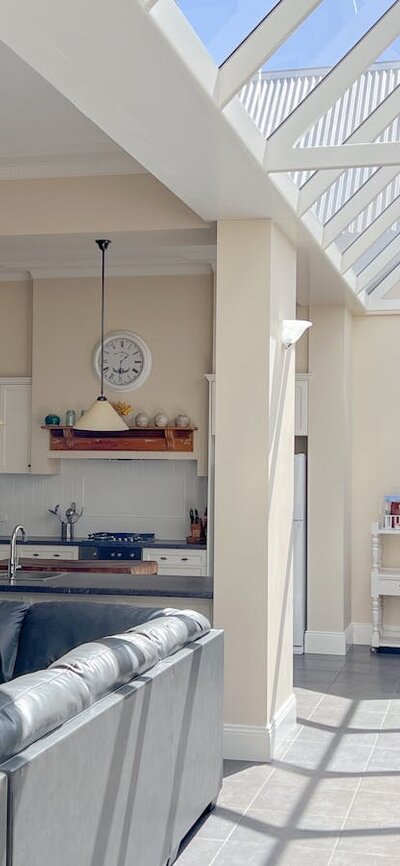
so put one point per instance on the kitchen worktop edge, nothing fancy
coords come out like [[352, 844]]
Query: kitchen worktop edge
[[179, 544]]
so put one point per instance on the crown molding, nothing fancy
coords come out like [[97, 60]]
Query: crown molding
[[151, 270], [68, 165], [14, 276]]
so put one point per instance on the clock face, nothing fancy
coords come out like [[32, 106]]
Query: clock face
[[127, 361]]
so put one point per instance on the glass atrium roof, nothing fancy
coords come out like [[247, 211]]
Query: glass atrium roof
[[223, 24], [326, 102]]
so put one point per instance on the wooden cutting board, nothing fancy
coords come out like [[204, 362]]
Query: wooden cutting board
[[91, 566]]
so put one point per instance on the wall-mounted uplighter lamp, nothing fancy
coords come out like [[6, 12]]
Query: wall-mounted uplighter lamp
[[292, 330]]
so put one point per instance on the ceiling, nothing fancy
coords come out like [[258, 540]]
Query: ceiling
[[160, 102], [44, 135]]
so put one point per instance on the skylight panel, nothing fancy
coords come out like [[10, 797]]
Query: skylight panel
[[222, 25], [370, 213], [380, 244], [307, 56]]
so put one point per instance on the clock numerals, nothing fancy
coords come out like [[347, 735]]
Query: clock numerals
[[126, 363]]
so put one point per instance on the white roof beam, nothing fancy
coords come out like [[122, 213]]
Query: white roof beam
[[371, 234], [374, 124], [378, 264], [260, 45], [338, 80], [356, 204], [388, 283], [337, 156]]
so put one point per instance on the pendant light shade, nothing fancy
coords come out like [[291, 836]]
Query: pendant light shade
[[101, 417]]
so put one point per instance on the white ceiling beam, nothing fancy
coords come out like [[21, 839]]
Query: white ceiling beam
[[378, 264], [338, 80], [357, 203], [388, 283], [260, 45], [382, 306], [336, 156], [371, 234], [371, 127]]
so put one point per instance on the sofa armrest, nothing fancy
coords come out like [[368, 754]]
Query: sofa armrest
[[3, 819]]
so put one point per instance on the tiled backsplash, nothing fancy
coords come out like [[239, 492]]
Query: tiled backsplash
[[139, 495]]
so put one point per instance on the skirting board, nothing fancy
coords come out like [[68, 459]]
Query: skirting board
[[328, 642], [362, 634], [337, 642], [263, 743]]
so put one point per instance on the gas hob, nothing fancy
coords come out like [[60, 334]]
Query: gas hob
[[116, 545]]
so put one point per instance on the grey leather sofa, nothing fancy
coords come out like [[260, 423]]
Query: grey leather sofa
[[110, 754]]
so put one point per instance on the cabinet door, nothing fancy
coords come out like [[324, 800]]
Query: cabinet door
[[15, 432], [42, 551], [174, 561]]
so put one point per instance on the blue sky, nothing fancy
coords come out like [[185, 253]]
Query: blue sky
[[323, 38]]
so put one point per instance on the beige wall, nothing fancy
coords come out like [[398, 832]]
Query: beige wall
[[91, 204], [15, 328], [329, 488], [376, 451], [172, 314], [254, 469], [302, 347]]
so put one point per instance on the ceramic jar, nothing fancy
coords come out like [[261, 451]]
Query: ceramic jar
[[161, 419], [182, 421], [142, 420]]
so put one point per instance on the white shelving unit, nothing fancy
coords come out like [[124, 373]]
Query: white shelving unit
[[385, 581]]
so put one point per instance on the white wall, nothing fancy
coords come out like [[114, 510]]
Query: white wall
[[151, 495], [256, 281], [376, 449], [329, 477]]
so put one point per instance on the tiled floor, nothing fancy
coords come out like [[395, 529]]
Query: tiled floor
[[333, 799]]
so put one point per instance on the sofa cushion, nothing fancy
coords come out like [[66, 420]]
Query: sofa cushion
[[175, 630], [12, 614], [35, 704], [53, 628]]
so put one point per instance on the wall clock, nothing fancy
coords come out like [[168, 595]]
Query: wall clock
[[127, 361]]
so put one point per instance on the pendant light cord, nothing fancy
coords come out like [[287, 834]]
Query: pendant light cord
[[102, 245]]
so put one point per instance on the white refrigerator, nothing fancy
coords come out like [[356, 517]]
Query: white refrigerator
[[299, 553]]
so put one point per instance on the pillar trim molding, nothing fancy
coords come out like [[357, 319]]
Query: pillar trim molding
[[261, 743]]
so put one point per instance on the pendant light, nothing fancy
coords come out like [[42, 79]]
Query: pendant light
[[101, 416]]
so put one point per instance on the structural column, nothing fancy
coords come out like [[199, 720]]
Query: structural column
[[256, 287], [329, 480]]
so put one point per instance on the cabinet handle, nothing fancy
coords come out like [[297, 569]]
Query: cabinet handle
[[55, 554], [163, 557], [35, 554], [184, 558]]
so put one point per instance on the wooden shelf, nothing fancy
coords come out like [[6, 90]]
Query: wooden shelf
[[134, 439]]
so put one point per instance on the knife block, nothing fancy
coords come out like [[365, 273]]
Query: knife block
[[197, 534]]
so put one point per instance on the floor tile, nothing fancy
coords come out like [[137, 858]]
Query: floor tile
[[310, 831], [199, 852], [370, 836], [218, 824], [385, 760], [244, 854], [332, 798], [348, 858], [366, 805]]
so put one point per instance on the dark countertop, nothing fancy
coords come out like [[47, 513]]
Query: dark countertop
[[92, 542], [113, 584]]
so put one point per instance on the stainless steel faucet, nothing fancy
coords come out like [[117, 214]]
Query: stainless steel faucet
[[13, 562]]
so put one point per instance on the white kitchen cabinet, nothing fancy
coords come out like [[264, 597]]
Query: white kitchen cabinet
[[301, 405], [15, 430], [191, 563], [42, 551]]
